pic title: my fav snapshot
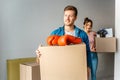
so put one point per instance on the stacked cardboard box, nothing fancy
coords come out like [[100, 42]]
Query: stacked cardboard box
[[29, 71], [13, 67]]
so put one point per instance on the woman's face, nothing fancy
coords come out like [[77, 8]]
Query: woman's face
[[88, 26], [69, 17]]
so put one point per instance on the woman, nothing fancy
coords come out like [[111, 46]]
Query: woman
[[91, 35]]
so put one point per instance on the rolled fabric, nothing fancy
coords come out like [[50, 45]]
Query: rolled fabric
[[68, 39], [63, 40], [55, 40], [52, 40], [74, 40]]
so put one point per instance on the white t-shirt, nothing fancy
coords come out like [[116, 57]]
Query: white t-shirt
[[70, 33]]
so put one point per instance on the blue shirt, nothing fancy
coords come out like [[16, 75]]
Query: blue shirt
[[78, 33]]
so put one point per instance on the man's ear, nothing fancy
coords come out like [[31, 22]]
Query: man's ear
[[75, 17]]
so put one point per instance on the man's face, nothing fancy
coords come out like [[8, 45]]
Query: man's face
[[69, 17]]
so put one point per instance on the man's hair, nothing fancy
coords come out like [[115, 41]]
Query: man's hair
[[70, 7]]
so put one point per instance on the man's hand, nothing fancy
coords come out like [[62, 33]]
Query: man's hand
[[38, 54]]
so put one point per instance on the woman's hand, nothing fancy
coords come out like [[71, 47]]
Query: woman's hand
[[93, 48]]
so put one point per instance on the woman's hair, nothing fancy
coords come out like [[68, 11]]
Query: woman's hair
[[86, 20], [70, 7]]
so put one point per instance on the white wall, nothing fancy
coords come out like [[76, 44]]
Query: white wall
[[26, 23], [117, 34]]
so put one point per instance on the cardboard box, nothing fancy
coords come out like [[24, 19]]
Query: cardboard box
[[13, 67], [105, 44], [63, 62], [29, 71]]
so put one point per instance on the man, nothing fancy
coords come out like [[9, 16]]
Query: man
[[70, 16]]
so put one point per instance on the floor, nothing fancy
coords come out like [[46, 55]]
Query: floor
[[106, 78]]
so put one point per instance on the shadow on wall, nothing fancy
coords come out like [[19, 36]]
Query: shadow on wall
[[105, 72]]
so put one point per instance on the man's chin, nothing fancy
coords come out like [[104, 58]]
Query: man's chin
[[68, 24]]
